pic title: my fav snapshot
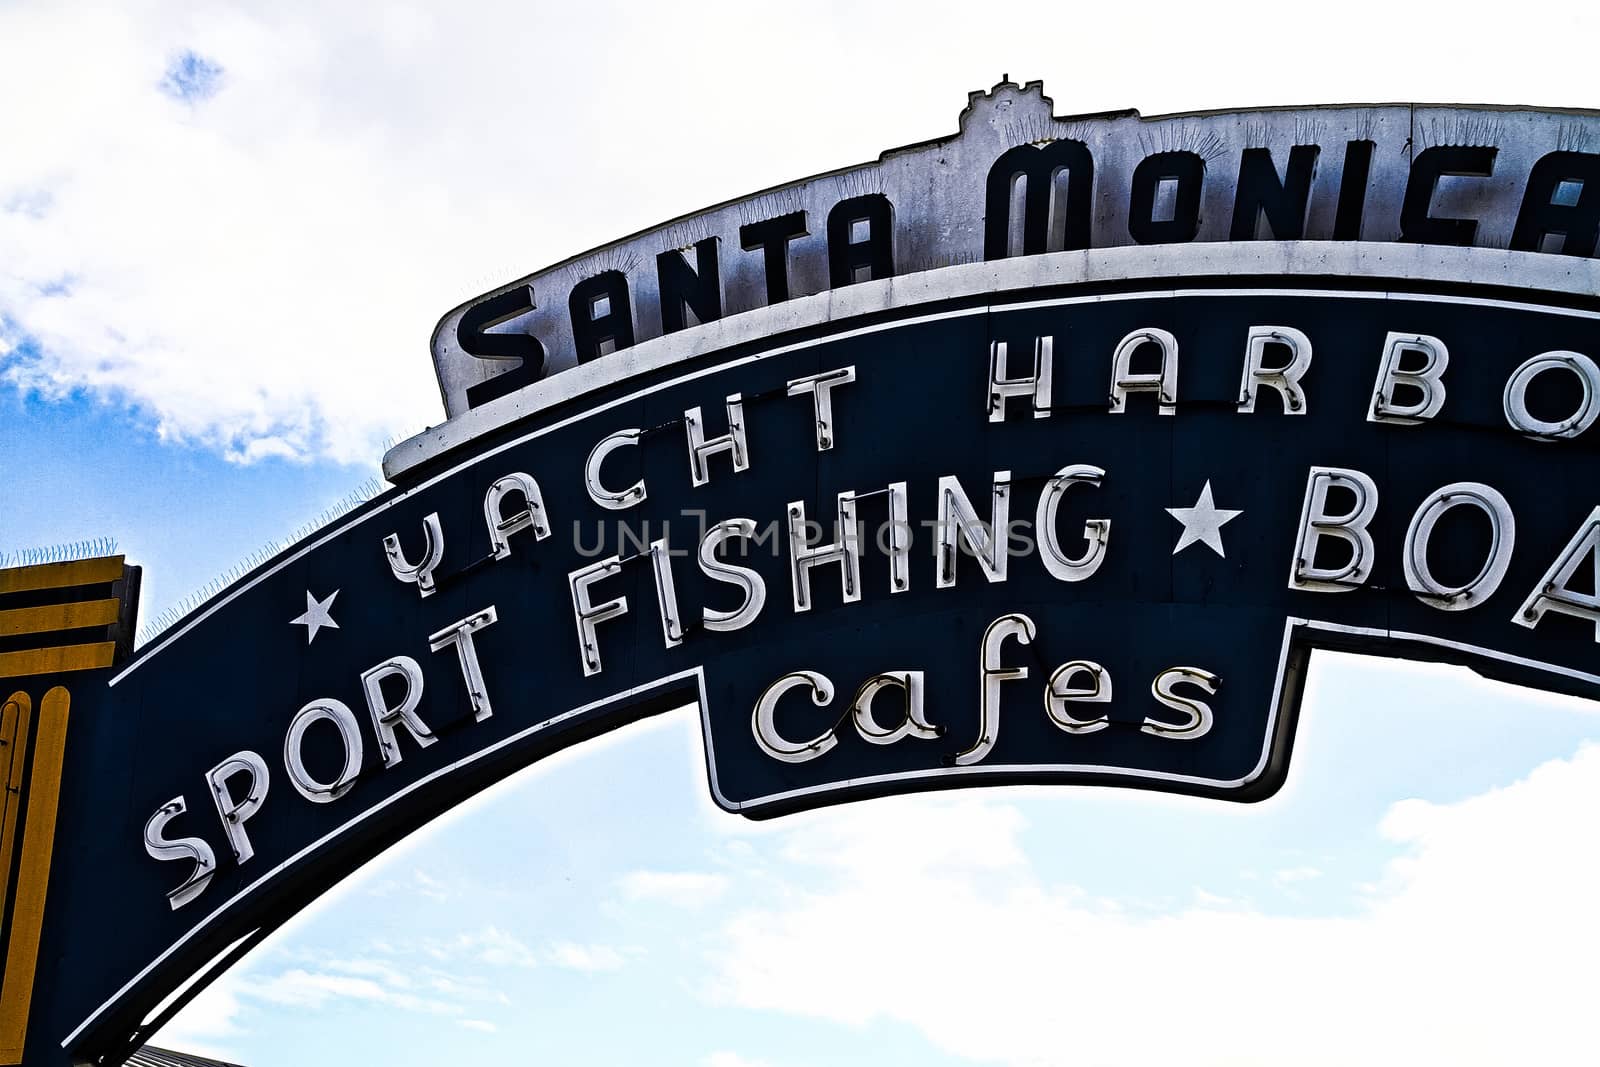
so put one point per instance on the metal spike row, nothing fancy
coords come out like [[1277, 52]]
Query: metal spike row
[[59, 553], [164, 621]]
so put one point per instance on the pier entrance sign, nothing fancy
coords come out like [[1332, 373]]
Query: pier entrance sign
[[897, 492]]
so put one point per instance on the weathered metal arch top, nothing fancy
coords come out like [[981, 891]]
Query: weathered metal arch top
[[1482, 176]]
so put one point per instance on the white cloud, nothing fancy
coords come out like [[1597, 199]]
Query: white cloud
[[1476, 951], [428, 886], [684, 889], [496, 948], [591, 959], [379, 969], [420, 882], [256, 270], [258, 266], [1291, 875], [733, 1059], [318, 981], [1205, 899], [490, 945], [483, 1026], [300, 988], [893, 836]]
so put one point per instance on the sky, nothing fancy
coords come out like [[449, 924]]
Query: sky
[[226, 231]]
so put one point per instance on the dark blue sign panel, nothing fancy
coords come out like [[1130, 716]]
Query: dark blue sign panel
[[1077, 539]]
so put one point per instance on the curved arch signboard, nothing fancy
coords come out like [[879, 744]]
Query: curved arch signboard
[[1042, 453]]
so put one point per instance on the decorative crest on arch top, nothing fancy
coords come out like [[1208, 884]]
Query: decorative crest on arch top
[[1005, 104]]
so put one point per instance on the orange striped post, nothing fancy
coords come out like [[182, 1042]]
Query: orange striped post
[[42, 796]]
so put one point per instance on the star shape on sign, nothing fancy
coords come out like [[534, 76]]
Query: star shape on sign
[[316, 615], [1203, 522]]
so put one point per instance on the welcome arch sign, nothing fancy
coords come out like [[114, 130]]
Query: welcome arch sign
[[1041, 453]]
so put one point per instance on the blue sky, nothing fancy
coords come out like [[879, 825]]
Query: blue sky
[[225, 234]]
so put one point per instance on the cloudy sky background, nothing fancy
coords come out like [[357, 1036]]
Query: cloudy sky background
[[226, 232]]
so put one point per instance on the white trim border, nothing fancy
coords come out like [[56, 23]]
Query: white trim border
[[1136, 266]]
